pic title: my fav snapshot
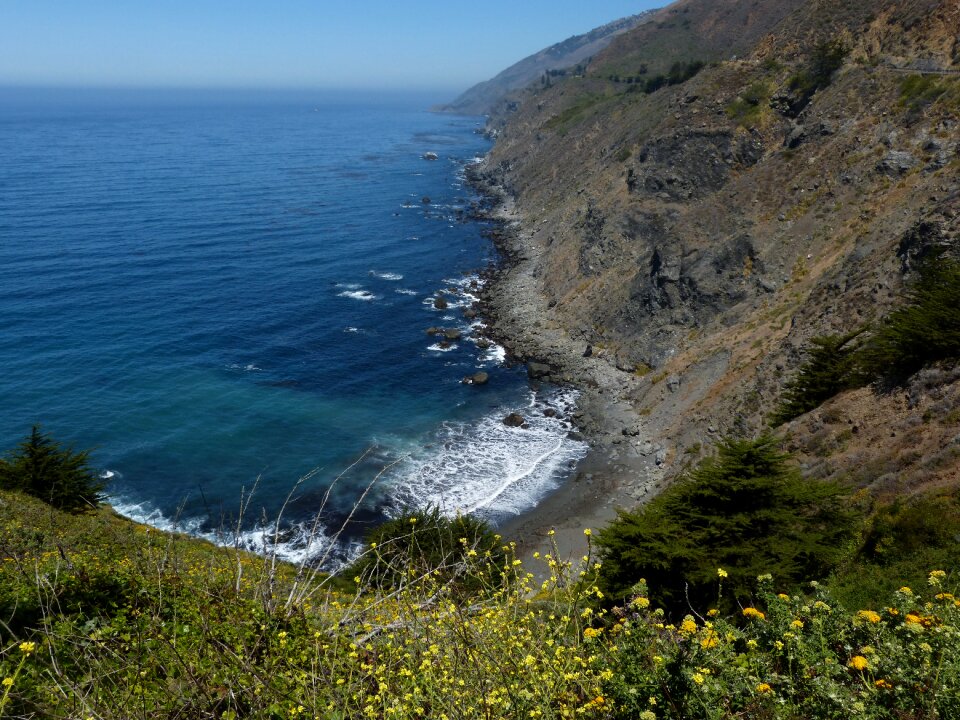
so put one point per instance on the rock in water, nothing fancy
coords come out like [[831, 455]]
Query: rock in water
[[479, 378], [514, 420], [430, 156], [452, 334], [440, 303]]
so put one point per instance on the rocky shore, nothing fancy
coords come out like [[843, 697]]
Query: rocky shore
[[624, 466]]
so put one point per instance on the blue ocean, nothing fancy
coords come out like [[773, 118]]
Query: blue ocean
[[226, 299]]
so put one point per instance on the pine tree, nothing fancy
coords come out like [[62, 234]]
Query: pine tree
[[746, 510], [830, 368], [39, 466]]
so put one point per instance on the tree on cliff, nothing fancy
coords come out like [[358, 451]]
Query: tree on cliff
[[61, 477], [746, 510]]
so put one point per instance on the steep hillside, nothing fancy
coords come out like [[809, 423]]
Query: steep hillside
[[552, 62], [679, 243]]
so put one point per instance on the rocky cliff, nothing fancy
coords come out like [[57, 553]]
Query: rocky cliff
[[681, 230], [558, 60]]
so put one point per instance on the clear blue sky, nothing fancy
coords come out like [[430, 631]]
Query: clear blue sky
[[438, 44]]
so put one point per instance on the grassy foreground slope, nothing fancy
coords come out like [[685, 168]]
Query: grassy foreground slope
[[103, 618]]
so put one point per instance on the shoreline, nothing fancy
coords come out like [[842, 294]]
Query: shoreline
[[621, 468]]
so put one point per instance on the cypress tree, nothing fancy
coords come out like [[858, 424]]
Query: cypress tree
[[59, 476]]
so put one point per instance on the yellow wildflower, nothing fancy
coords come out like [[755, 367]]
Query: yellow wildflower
[[591, 633], [698, 678], [905, 590], [750, 612], [7, 681], [710, 640], [764, 688], [936, 576], [588, 532], [882, 684], [722, 573], [783, 596], [688, 626], [27, 647], [797, 624], [868, 615], [858, 662]]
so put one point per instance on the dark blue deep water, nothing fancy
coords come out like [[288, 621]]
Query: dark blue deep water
[[211, 293]]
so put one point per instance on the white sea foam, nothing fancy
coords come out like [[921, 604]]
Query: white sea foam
[[437, 347], [348, 286], [488, 468], [496, 354], [351, 330], [109, 475], [249, 367], [404, 291], [296, 543], [365, 295], [387, 275]]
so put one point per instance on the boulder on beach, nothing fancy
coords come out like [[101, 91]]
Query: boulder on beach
[[514, 420], [478, 378], [537, 370]]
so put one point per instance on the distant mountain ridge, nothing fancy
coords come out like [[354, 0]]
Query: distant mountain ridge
[[483, 97]]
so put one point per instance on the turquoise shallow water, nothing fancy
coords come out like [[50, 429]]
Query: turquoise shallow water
[[213, 295]]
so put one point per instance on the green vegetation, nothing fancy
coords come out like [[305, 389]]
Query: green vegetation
[[900, 540], [108, 619], [573, 114], [746, 509], [58, 476], [791, 657], [748, 108], [924, 331], [828, 370], [678, 74], [826, 59], [424, 542], [918, 92]]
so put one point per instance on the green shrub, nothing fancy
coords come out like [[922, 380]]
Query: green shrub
[[918, 92], [746, 509], [925, 330], [60, 477], [425, 541], [830, 368], [901, 540], [826, 59], [747, 109]]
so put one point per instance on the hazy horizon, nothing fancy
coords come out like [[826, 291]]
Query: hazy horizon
[[214, 45]]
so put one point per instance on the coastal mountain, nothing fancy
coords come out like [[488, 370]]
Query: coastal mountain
[[723, 184], [551, 62]]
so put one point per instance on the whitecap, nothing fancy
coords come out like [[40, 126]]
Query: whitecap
[[295, 543], [358, 295], [437, 347], [351, 330], [109, 475], [404, 291], [348, 286], [393, 277], [488, 468]]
